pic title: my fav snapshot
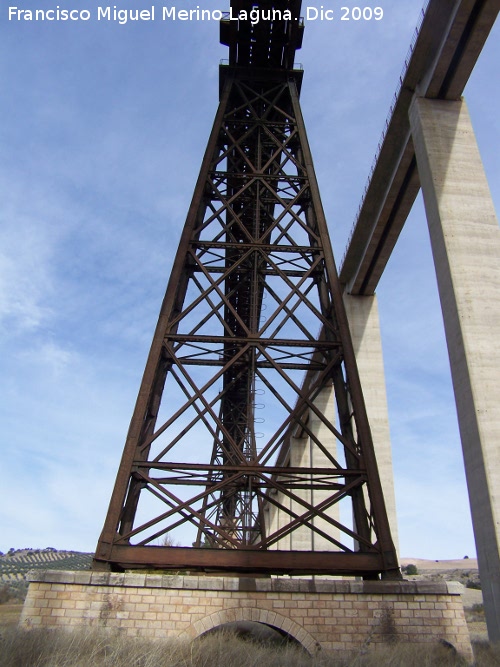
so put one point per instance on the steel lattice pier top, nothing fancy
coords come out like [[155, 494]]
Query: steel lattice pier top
[[268, 40]]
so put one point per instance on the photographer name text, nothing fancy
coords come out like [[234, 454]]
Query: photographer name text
[[173, 13]]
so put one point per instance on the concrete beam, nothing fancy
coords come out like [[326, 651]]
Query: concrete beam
[[450, 40], [465, 240]]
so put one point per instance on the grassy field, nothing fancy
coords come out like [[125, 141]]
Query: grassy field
[[43, 648], [15, 565], [9, 614], [93, 648]]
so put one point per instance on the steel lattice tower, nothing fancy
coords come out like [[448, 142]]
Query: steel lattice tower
[[252, 332]]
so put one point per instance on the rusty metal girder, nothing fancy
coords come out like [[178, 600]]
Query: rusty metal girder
[[248, 561], [251, 334]]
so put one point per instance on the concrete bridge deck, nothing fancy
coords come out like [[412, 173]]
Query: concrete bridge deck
[[449, 43]]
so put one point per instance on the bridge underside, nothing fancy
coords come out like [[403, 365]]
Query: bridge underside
[[449, 43]]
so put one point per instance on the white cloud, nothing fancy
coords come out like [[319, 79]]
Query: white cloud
[[25, 275]]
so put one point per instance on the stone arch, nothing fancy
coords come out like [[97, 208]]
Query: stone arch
[[265, 616]]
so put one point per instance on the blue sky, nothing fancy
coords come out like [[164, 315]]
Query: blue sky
[[103, 130]]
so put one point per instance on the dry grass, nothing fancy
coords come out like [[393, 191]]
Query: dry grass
[[93, 648], [43, 648], [10, 614], [486, 655]]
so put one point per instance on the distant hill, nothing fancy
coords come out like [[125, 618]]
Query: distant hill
[[15, 565]]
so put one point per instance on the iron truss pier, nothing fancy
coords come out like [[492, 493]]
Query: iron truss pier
[[252, 361]]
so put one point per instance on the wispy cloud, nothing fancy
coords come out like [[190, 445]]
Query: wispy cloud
[[26, 278]]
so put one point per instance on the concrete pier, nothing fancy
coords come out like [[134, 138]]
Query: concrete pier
[[465, 240], [305, 452], [362, 313]]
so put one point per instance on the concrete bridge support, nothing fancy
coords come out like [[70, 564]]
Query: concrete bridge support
[[362, 313], [364, 325], [465, 240], [305, 453]]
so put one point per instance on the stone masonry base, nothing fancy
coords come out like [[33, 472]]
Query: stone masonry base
[[341, 615]]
